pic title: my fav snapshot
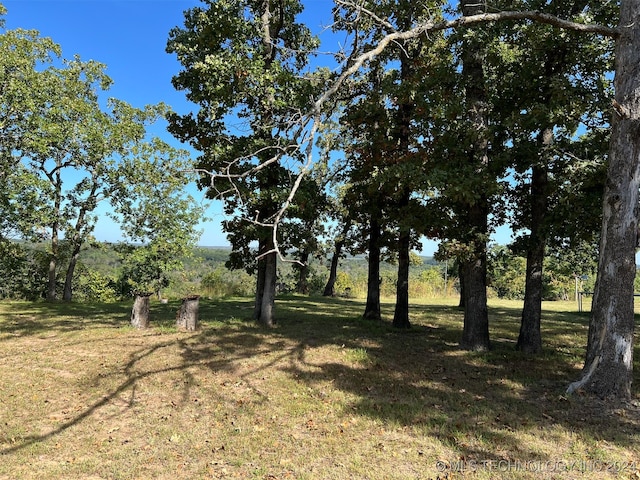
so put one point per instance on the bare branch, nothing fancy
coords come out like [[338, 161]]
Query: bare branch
[[429, 26], [304, 125]]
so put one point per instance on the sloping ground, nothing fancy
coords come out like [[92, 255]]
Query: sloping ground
[[323, 395]]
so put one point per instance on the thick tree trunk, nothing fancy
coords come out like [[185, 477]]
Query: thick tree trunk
[[260, 279], [187, 316], [530, 338], [475, 332], [372, 307], [608, 368], [401, 314], [269, 291], [51, 284], [405, 115], [140, 311], [68, 281]]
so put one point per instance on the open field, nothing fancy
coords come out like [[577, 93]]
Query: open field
[[324, 395]]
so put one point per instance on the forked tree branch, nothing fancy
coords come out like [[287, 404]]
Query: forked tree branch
[[314, 117]]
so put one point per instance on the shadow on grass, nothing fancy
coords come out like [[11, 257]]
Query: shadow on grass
[[416, 379]]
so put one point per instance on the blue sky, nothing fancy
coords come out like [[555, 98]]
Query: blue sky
[[129, 37]]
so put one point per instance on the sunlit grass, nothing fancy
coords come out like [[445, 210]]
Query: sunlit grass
[[324, 394]]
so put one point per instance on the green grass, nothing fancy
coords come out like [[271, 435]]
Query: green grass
[[325, 394]]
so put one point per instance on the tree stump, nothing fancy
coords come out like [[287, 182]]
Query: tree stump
[[140, 310], [187, 317]]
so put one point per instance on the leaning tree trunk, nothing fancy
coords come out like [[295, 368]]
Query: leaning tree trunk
[[608, 368], [67, 293], [187, 316], [372, 307], [329, 289], [140, 310]]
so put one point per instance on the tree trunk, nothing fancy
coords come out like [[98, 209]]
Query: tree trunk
[[56, 181], [530, 338], [260, 279], [608, 368], [401, 313], [329, 289], [372, 307], [405, 115], [68, 281], [187, 316], [78, 234], [269, 291], [51, 285], [461, 283], [140, 311], [475, 334]]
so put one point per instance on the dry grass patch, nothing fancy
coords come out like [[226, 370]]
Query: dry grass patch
[[323, 395]]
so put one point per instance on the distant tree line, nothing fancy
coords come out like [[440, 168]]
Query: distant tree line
[[103, 275]]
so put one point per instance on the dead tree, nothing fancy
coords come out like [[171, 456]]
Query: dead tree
[[187, 317], [140, 310]]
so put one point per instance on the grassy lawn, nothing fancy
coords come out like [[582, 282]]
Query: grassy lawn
[[324, 395]]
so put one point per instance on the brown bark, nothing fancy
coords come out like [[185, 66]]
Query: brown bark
[[329, 289], [372, 307], [475, 333], [530, 338], [56, 180], [68, 282], [401, 312], [260, 279], [608, 368], [140, 311], [269, 291], [187, 316]]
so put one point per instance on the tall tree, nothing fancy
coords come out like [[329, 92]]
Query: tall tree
[[244, 59], [608, 365], [564, 89], [475, 333]]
